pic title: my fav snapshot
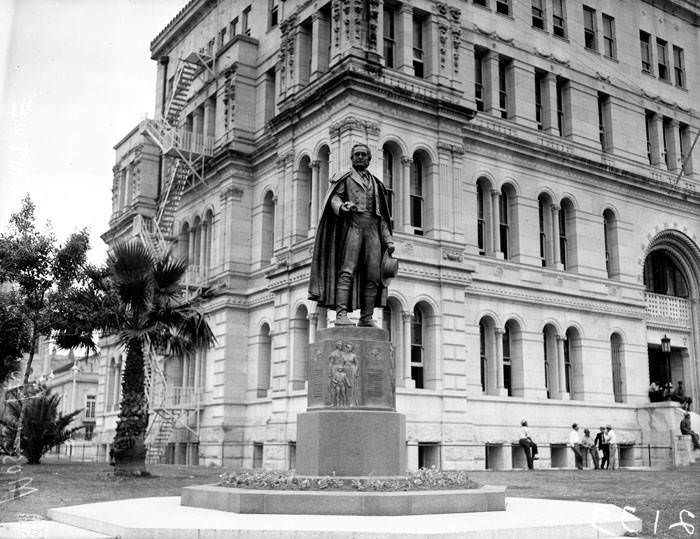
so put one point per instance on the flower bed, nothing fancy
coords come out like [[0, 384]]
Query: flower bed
[[423, 479]]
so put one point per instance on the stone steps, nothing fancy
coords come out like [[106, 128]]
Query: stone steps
[[523, 518]]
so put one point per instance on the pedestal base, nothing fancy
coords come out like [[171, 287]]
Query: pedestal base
[[351, 443]]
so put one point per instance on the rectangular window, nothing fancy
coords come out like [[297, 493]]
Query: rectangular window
[[429, 455], [543, 234], [590, 38], [503, 7], [567, 366], [222, 37], [417, 348], [558, 18], [257, 455], [90, 407], [417, 198], [648, 124], [503, 88], [562, 237], [418, 65], [233, 27], [482, 356], [662, 59], [562, 106], [245, 21], [210, 46], [685, 143], [609, 44], [270, 90], [389, 38], [504, 228], [479, 79], [644, 42], [273, 13], [481, 3], [480, 219], [666, 125], [538, 14], [679, 67], [539, 81], [604, 121]]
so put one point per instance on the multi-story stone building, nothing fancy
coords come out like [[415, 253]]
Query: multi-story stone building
[[545, 187]]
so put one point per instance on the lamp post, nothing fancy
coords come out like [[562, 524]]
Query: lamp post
[[75, 370], [666, 350]]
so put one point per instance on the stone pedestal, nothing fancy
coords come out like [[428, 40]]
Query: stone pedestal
[[351, 426]]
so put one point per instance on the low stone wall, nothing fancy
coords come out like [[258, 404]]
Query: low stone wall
[[238, 500]]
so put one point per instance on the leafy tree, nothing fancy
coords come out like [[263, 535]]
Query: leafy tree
[[40, 273], [15, 338], [136, 298], [42, 426]]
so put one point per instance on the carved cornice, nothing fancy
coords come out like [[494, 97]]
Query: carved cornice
[[352, 123]]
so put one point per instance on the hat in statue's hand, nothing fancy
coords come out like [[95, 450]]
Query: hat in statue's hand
[[390, 267]]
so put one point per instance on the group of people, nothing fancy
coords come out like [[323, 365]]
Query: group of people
[[604, 444], [664, 392]]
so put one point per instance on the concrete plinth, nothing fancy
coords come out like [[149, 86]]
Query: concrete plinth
[[351, 443]]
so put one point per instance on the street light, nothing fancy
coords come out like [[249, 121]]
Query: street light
[[75, 370], [666, 350]]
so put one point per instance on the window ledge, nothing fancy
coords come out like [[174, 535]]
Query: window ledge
[[561, 38], [611, 58]]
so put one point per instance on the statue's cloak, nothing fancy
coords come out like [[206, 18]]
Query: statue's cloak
[[329, 246]]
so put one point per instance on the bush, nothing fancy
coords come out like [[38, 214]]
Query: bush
[[43, 427]]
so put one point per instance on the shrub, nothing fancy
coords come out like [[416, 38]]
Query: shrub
[[42, 429]]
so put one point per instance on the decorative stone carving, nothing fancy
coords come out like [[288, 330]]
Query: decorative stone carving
[[456, 43], [358, 9], [351, 123], [443, 44], [229, 98], [335, 16], [373, 22], [453, 255], [441, 8]]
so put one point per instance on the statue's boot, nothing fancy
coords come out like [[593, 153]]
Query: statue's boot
[[342, 297], [367, 310]]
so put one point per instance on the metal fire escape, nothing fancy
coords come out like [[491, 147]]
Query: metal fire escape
[[184, 152], [184, 157]]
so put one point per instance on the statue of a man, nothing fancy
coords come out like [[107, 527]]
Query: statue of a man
[[352, 237]]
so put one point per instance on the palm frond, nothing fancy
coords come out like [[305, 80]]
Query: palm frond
[[131, 266], [167, 274]]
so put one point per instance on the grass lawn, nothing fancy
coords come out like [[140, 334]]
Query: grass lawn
[[668, 492]]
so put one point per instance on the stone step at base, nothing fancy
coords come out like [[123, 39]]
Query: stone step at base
[[523, 518]]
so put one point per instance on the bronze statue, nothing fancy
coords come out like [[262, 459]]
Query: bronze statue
[[352, 240]]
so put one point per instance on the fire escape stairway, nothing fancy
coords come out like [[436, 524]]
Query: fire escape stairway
[[159, 435], [184, 153]]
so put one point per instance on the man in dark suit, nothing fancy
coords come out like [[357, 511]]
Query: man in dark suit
[[601, 444]]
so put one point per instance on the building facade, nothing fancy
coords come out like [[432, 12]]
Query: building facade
[[545, 190]]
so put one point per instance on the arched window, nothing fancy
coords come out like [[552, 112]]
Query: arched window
[[483, 360], [264, 361], [417, 202], [507, 363], [109, 383], [505, 220], [662, 276], [303, 199], [480, 219], [612, 262], [197, 243], [417, 349], [567, 235], [184, 242], [268, 228], [208, 242], [299, 328], [563, 252], [324, 167], [616, 363], [551, 370]]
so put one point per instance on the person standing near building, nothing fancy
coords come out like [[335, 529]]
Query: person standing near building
[[528, 445], [589, 447], [601, 444], [687, 430], [575, 444], [611, 439]]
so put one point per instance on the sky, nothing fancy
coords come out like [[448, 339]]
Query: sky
[[75, 77]]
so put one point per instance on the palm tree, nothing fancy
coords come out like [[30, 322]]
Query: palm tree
[[42, 426], [138, 299]]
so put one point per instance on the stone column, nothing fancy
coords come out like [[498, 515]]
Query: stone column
[[406, 318], [564, 395], [203, 248], [521, 93], [496, 222], [673, 146], [656, 126], [467, 73], [406, 163], [556, 258], [191, 246], [490, 83], [313, 325], [404, 39], [197, 129], [500, 386], [320, 41], [550, 121], [315, 195]]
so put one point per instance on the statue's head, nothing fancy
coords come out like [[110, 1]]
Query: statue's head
[[339, 345], [360, 155], [348, 347]]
